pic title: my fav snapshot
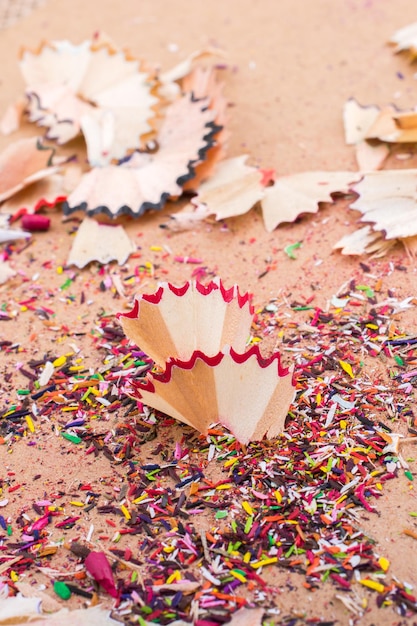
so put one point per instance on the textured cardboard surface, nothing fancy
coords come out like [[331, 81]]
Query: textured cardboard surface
[[291, 66]]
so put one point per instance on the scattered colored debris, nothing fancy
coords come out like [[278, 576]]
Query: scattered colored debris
[[291, 503], [289, 250], [190, 527]]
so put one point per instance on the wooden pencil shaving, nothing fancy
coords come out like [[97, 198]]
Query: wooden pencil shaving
[[410, 245], [24, 162], [353, 604], [388, 199], [93, 87], [189, 331], [364, 241], [188, 218], [245, 393], [371, 156], [147, 179], [20, 610], [394, 442], [174, 322], [49, 604], [233, 190], [47, 192], [170, 79], [296, 194], [384, 124], [100, 242], [394, 126], [203, 84], [405, 39], [12, 117], [358, 120]]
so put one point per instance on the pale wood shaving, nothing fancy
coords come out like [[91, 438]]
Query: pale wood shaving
[[410, 244], [296, 194], [202, 83], [12, 117], [169, 87], [22, 163], [358, 120], [405, 39], [204, 394], [68, 84], [178, 324], [388, 199], [100, 242], [233, 189], [363, 241], [41, 193], [19, 610], [6, 272], [146, 180], [394, 126], [370, 157]]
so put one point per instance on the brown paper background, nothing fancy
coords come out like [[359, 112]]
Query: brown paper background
[[292, 65]]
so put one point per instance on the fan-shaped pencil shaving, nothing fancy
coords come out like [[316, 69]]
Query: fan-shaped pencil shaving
[[233, 190], [365, 241], [146, 181], [174, 322], [202, 83], [24, 162], [71, 87], [388, 199], [244, 392], [47, 192], [293, 195]]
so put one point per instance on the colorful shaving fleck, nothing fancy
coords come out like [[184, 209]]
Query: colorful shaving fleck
[[289, 504]]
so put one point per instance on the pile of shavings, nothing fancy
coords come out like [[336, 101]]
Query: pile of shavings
[[387, 198], [149, 135], [290, 504]]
